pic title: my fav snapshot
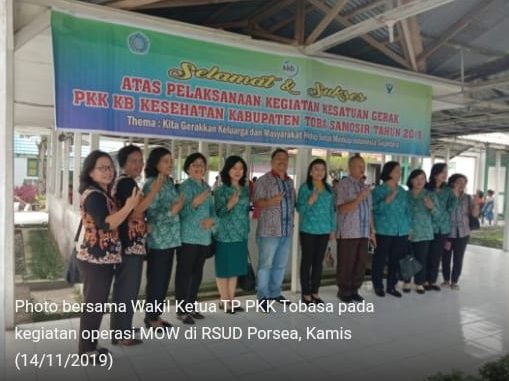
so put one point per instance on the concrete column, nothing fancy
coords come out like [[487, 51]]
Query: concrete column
[[94, 142], [65, 177], [203, 148], [246, 155], [301, 164], [180, 164], [447, 155], [189, 149], [498, 158], [76, 172], [228, 150], [432, 160], [505, 244], [480, 170], [220, 156], [57, 169], [50, 184], [7, 268]]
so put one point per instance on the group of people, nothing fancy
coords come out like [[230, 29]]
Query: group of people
[[123, 224]]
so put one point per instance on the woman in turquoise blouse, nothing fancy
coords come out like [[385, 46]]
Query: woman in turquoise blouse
[[232, 207], [197, 220], [317, 212], [447, 199], [392, 224], [164, 231], [421, 204]]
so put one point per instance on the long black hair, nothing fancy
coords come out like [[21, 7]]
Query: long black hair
[[309, 179], [153, 159], [413, 175], [387, 169], [88, 166], [229, 163], [435, 170]]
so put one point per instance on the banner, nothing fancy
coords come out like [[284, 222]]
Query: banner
[[125, 80]]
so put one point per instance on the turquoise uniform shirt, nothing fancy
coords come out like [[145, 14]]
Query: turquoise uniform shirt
[[191, 218], [421, 218], [234, 223], [164, 228], [391, 219], [319, 218], [446, 203]]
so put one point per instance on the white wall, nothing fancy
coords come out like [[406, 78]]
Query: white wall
[[20, 171]]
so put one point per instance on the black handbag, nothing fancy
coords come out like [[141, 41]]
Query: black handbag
[[72, 272], [247, 282], [473, 222], [409, 266]]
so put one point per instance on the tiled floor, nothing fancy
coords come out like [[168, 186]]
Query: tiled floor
[[405, 339]]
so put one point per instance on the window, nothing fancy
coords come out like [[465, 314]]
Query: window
[[32, 168]]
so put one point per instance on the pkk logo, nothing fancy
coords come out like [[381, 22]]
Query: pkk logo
[[389, 87], [290, 69], [138, 43]]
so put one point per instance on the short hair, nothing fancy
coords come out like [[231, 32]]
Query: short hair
[[191, 159], [455, 177], [124, 153], [153, 160], [229, 163], [354, 157], [387, 169], [278, 150], [413, 175], [88, 166]]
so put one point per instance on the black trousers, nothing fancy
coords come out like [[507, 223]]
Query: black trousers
[[351, 265], [436, 250], [125, 289], [97, 280], [190, 262], [457, 252], [313, 251], [159, 266], [389, 250], [420, 251]]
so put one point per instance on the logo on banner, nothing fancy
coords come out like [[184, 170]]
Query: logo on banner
[[290, 69], [389, 87], [138, 43]]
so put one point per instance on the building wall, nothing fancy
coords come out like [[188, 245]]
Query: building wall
[[20, 171]]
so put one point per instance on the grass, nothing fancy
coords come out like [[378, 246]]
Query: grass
[[46, 262], [488, 237]]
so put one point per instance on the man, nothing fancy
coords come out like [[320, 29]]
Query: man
[[274, 197], [354, 230]]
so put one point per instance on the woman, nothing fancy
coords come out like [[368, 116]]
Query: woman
[[100, 250], [392, 224], [446, 201], [460, 231], [232, 209], [421, 206], [488, 207], [197, 221], [132, 234], [315, 204], [164, 232]]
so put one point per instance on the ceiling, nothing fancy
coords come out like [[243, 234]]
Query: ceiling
[[457, 41]]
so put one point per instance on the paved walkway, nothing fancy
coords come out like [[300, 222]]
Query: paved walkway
[[405, 339]]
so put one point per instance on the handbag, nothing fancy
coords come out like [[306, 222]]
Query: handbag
[[72, 272], [409, 266], [329, 258], [247, 282]]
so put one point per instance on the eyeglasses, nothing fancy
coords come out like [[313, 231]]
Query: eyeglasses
[[105, 168]]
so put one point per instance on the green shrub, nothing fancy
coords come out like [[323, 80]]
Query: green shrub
[[496, 370], [454, 376]]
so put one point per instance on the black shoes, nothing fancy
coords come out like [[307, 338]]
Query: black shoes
[[148, 324], [435, 287], [281, 299], [380, 292], [344, 299], [317, 300], [395, 293], [357, 298], [127, 342], [186, 319]]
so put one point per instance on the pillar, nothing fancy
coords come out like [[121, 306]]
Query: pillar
[[65, 176], [498, 158], [301, 165], [179, 164], [94, 142], [76, 172]]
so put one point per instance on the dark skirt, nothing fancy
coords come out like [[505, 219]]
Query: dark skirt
[[231, 259]]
